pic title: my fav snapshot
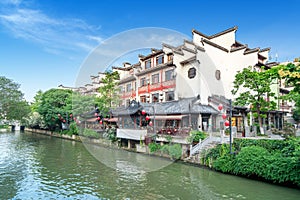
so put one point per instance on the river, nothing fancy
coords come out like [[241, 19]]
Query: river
[[35, 166]]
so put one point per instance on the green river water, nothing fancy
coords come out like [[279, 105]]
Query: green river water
[[35, 166]]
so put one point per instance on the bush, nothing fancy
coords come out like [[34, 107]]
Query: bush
[[73, 129], [252, 160], [90, 133], [175, 151], [274, 160], [154, 147], [195, 136], [111, 134]]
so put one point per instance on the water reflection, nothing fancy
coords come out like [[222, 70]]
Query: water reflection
[[40, 167]]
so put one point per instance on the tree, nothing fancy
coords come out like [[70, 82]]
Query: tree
[[55, 107], [291, 75], [109, 92], [37, 101], [12, 104], [258, 92], [83, 103]]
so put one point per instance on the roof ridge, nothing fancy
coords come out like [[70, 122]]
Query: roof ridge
[[217, 34]]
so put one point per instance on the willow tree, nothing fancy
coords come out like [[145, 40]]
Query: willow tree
[[254, 88], [109, 92]]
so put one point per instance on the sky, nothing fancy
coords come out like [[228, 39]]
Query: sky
[[45, 43]]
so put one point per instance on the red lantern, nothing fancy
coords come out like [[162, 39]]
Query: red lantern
[[227, 123], [98, 118], [147, 118], [143, 112], [100, 122], [150, 123], [224, 116], [220, 107]]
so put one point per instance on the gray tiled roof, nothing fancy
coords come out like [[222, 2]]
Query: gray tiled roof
[[182, 106]]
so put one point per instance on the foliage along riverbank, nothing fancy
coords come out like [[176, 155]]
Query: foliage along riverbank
[[275, 161]]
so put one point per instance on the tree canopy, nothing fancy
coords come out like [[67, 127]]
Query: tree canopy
[[12, 104], [291, 75], [109, 92], [255, 90], [56, 105]]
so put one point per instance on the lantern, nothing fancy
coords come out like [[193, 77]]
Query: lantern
[[220, 107], [224, 116], [98, 118], [150, 123], [143, 112], [147, 118], [227, 123], [100, 122]]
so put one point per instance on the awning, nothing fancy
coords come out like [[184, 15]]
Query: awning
[[113, 119], [131, 134], [168, 117]]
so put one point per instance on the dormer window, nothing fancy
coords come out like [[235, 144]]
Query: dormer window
[[147, 64], [159, 59]]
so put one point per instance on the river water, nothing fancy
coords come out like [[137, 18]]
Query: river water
[[41, 167]]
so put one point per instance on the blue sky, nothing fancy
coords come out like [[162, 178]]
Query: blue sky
[[44, 43]]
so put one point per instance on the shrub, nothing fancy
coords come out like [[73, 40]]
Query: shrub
[[154, 147], [195, 136], [111, 134], [90, 133], [175, 151], [252, 160], [73, 129]]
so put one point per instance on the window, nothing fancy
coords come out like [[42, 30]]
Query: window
[[128, 87], [170, 96], [147, 64], [159, 59], [143, 99], [218, 74], [170, 57], [127, 102], [155, 97], [121, 88], [143, 81], [192, 72], [155, 78], [169, 75]]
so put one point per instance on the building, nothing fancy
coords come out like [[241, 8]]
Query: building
[[204, 67]]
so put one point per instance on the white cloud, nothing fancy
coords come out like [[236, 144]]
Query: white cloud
[[52, 33]]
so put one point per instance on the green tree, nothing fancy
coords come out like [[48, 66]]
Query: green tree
[[12, 104], [37, 101], [290, 73], [82, 103], [55, 107], [255, 90], [109, 92]]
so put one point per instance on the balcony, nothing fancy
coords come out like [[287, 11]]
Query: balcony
[[157, 86], [129, 94]]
